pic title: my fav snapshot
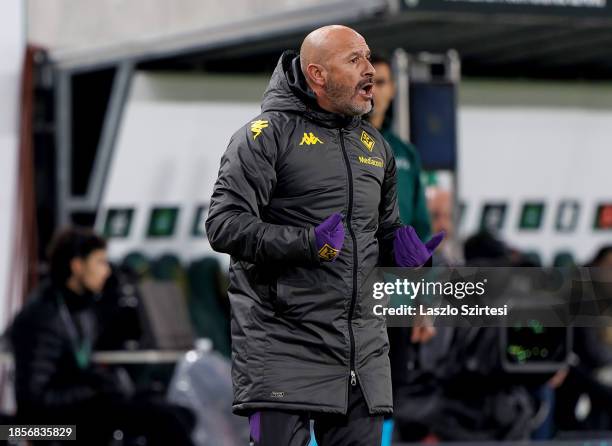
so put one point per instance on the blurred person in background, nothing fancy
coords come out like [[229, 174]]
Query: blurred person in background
[[440, 205], [482, 401], [486, 249], [403, 341], [460, 390], [289, 184], [593, 349], [410, 188], [52, 339], [603, 258]]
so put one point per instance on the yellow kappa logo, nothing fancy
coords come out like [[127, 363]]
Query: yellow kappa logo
[[367, 140], [310, 138], [257, 127]]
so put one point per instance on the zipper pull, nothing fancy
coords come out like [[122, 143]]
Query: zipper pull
[[353, 378]]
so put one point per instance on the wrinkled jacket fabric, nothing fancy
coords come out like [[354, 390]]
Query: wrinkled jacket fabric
[[299, 326]]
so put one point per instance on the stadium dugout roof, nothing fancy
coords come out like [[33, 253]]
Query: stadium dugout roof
[[551, 39]]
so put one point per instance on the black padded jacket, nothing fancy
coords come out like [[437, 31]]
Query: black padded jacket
[[46, 337]]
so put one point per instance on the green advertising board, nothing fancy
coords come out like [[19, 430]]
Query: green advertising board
[[118, 222], [531, 216], [162, 222]]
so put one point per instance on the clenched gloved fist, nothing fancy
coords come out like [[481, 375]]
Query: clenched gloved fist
[[410, 251], [330, 237]]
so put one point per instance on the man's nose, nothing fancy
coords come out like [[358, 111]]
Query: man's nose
[[370, 70]]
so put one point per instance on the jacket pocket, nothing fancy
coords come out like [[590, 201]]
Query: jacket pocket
[[262, 280]]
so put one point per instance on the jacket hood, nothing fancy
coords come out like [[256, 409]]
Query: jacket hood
[[289, 92]]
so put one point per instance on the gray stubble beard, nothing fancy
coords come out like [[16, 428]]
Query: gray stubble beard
[[341, 96]]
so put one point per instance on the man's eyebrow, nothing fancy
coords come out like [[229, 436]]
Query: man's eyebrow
[[358, 53]]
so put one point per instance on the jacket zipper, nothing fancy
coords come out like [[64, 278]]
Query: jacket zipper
[[349, 215]]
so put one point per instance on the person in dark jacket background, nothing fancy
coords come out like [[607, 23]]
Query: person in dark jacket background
[[403, 341], [410, 189], [411, 200], [52, 338], [305, 203]]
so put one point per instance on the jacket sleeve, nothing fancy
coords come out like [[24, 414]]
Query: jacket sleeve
[[388, 212], [245, 184]]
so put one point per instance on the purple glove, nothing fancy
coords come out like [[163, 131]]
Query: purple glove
[[410, 251], [330, 237]]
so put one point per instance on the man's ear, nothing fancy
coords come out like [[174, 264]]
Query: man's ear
[[316, 74]]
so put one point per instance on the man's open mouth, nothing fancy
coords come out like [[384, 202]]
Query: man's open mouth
[[365, 90]]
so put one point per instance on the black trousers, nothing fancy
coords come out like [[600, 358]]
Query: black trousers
[[286, 428]]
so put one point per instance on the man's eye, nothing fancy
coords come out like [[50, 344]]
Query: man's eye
[[354, 60]]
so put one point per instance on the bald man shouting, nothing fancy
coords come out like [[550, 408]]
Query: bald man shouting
[[305, 204]]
